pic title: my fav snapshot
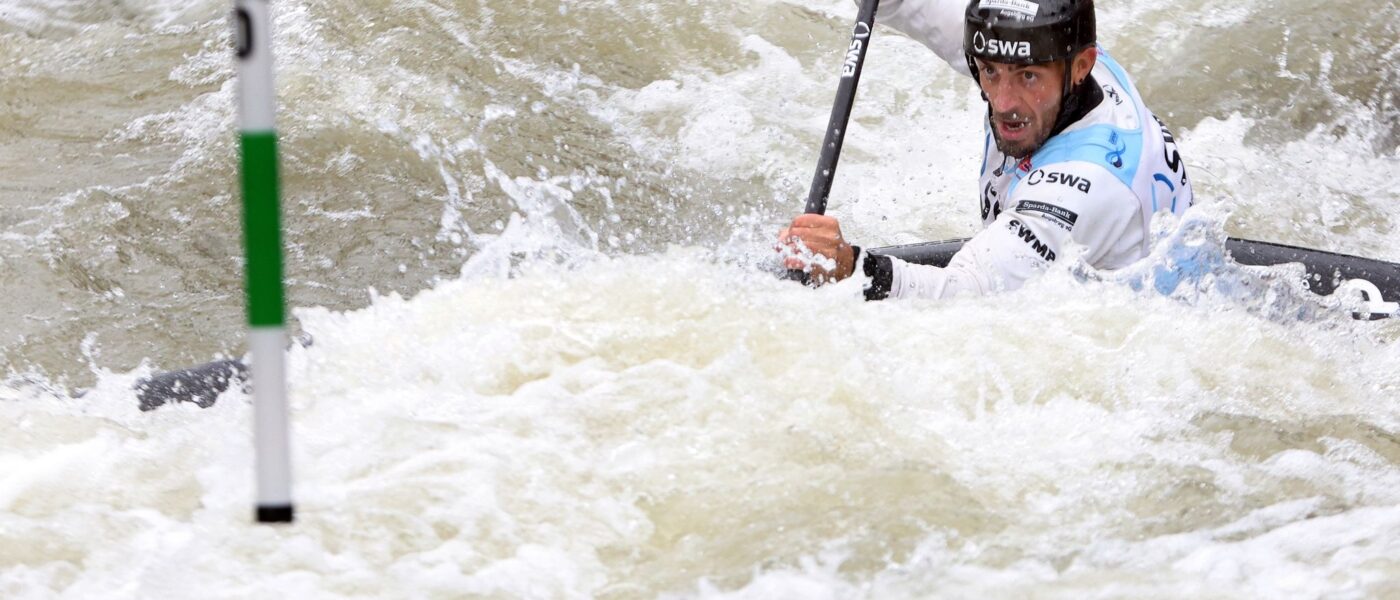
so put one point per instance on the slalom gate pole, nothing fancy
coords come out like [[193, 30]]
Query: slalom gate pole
[[840, 115], [262, 237]]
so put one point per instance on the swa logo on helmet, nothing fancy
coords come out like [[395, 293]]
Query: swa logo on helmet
[[995, 47]]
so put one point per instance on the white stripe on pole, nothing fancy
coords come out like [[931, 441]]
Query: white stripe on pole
[[268, 345], [257, 103]]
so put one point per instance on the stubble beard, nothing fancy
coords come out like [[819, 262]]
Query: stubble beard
[[1044, 122]]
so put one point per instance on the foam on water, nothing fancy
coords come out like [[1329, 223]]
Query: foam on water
[[1323, 191], [567, 432], [591, 384]]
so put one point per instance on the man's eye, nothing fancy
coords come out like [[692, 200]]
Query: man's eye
[[1028, 76]]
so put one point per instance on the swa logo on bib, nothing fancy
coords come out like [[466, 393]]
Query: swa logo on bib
[[1079, 183]]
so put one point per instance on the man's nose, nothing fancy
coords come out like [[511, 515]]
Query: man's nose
[[1001, 98]]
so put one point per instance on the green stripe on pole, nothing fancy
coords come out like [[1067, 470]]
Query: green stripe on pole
[[262, 230]]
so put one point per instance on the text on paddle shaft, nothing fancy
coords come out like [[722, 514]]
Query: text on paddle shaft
[[861, 34]]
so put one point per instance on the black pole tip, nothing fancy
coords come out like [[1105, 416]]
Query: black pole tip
[[275, 514]]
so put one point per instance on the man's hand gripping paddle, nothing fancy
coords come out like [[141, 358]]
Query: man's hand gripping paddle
[[840, 116]]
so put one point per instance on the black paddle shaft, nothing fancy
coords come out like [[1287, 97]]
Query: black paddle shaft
[[841, 110]]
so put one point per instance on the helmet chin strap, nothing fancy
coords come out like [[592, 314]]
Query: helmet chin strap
[[977, 79], [1069, 99], [1077, 99]]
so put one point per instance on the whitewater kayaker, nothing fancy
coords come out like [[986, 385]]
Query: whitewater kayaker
[[1071, 153]]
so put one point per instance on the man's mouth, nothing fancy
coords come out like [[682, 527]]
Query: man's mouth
[[1013, 128]]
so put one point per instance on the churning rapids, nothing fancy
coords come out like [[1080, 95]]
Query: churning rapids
[[531, 242]]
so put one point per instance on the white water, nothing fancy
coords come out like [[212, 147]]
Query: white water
[[580, 413]]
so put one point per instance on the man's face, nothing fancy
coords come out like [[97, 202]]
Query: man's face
[[1025, 100]]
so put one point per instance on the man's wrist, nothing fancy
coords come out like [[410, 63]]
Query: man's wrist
[[846, 268]]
